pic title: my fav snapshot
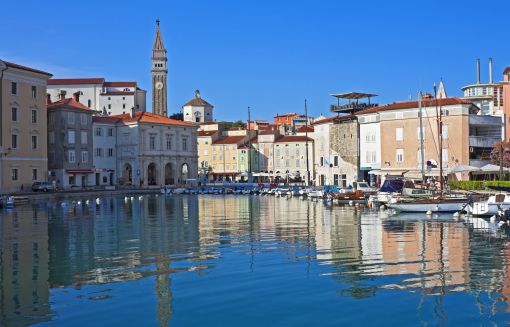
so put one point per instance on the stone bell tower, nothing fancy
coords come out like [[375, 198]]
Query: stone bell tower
[[159, 72]]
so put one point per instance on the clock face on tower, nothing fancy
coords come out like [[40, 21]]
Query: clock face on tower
[[159, 85]]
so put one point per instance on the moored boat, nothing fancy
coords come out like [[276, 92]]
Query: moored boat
[[490, 206]]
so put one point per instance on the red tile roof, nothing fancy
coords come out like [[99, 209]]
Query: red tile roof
[[208, 123], [68, 103], [290, 114], [198, 102], [304, 129], [255, 140], [149, 117], [507, 70], [230, 140], [293, 138], [332, 119], [13, 65], [105, 119], [73, 81], [206, 133], [414, 104], [120, 84]]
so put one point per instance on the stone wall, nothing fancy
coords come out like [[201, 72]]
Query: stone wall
[[343, 138]]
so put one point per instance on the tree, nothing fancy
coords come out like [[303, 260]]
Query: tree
[[177, 116], [500, 154]]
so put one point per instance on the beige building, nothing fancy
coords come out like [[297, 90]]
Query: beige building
[[468, 136], [23, 149], [290, 157]]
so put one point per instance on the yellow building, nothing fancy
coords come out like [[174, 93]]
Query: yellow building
[[23, 146]]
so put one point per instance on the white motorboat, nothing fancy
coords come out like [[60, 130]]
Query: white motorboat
[[315, 194], [434, 204], [491, 206]]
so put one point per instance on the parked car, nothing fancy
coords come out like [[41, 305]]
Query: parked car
[[43, 186]]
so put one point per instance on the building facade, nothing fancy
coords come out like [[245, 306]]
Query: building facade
[[290, 160], [153, 150], [106, 98], [70, 143], [198, 110], [104, 140], [23, 146]]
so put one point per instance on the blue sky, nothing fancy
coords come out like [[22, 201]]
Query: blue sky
[[269, 55]]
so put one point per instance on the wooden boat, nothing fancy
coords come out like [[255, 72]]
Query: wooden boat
[[349, 197], [433, 204]]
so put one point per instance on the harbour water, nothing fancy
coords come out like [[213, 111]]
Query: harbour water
[[191, 260]]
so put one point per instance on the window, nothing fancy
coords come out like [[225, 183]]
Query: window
[[227, 167], [14, 114], [34, 91], [14, 174], [184, 144], [399, 132], [336, 179], [14, 88], [89, 103], [51, 137], [72, 179], [110, 131], [234, 167], [110, 152], [34, 116], [169, 143], [445, 132], [99, 131], [418, 133], [70, 117], [152, 142], [205, 152], [34, 174], [83, 137], [99, 152], [71, 156], [34, 142], [14, 141], [71, 137], [85, 156], [109, 106], [335, 161], [322, 161], [400, 155], [445, 155], [298, 162], [83, 118], [123, 106]]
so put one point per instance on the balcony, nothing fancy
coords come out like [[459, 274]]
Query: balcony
[[482, 141], [484, 120]]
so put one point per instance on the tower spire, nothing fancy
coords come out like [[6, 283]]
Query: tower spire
[[159, 72]]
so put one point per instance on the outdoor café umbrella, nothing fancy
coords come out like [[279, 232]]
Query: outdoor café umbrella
[[460, 168], [490, 168]]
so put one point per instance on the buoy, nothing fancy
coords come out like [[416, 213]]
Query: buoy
[[493, 219], [429, 212]]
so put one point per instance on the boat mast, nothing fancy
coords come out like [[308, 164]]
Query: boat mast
[[439, 116], [306, 150], [422, 154]]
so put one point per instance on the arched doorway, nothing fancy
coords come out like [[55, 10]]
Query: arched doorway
[[151, 174], [127, 174], [184, 172], [169, 178]]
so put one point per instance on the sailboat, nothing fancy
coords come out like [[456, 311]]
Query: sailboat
[[434, 203]]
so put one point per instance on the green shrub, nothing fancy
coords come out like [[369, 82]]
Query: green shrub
[[476, 185]]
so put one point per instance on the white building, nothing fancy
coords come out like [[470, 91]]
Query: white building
[[154, 150], [104, 153], [111, 98], [369, 145], [198, 110]]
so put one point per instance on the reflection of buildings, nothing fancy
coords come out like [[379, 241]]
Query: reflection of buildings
[[24, 293]]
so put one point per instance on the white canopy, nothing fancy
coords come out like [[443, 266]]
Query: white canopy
[[460, 168], [490, 168]]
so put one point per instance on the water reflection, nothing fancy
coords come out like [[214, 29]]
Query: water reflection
[[74, 245]]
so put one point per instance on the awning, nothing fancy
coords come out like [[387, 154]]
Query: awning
[[79, 171], [384, 172]]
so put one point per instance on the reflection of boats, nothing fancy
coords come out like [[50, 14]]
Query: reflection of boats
[[8, 201], [180, 190], [349, 197], [165, 190], [490, 206]]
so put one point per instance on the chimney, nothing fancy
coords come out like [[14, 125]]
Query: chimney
[[477, 71], [133, 114], [62, 95], [490, 71], [48, 98], [76, 96]]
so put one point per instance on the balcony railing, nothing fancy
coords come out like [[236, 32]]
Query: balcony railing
[[351, 107], [482, 141], [484, 120]]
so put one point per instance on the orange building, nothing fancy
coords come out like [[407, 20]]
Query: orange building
[[286, 119]]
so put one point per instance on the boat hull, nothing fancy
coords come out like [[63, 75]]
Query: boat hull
[[432, 206], [487, 209]]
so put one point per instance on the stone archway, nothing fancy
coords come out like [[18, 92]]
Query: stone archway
[[152, 176], [169, 175], [127, 174], [184, 172]]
